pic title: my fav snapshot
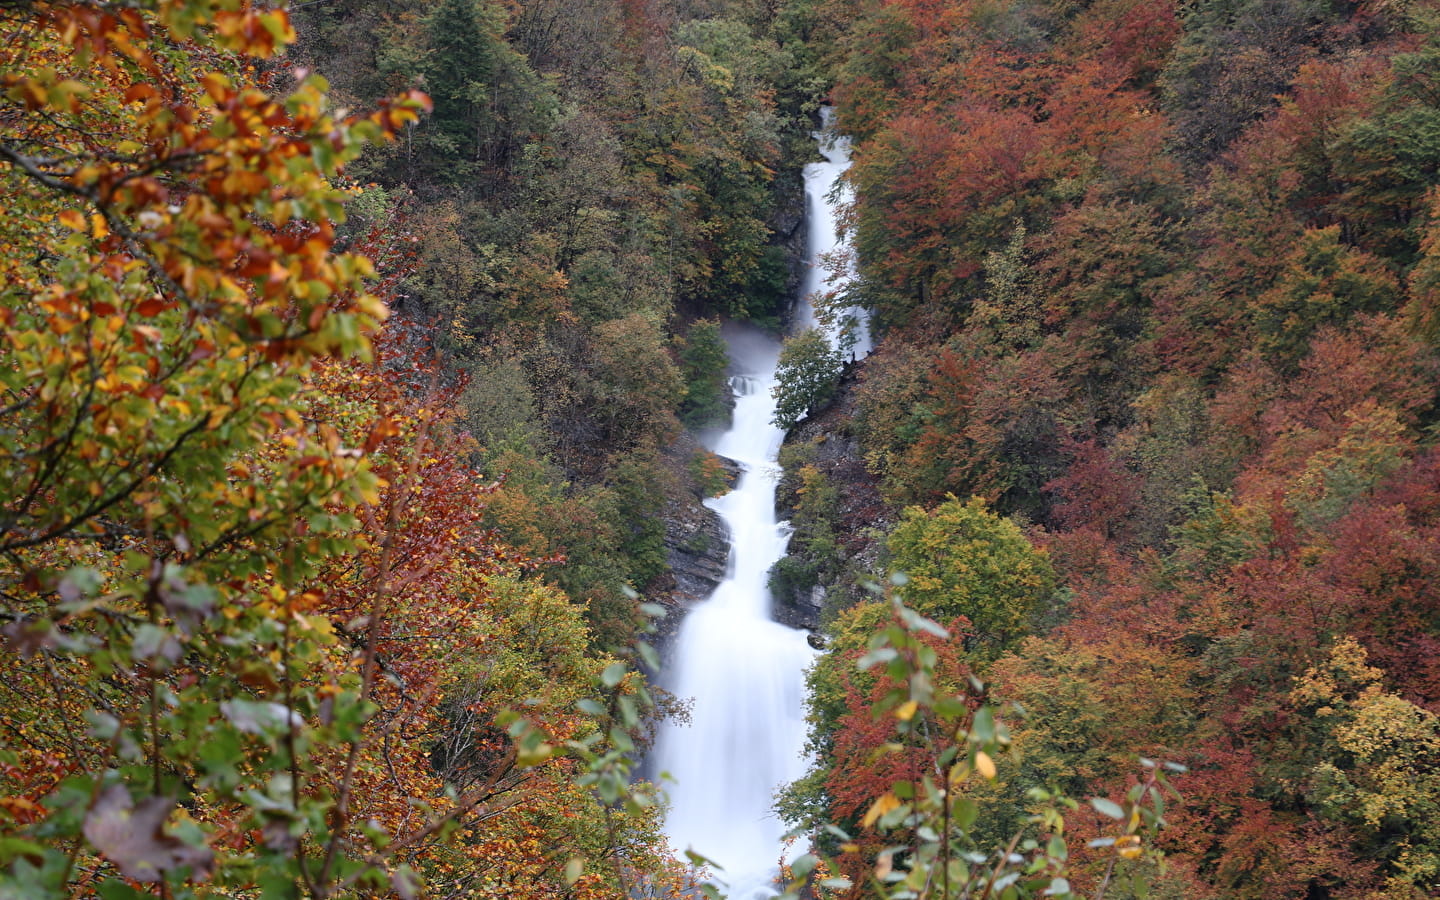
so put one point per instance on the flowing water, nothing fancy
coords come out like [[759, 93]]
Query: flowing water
[[831, 265], [744, 671]]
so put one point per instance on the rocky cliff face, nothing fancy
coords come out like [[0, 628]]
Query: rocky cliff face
[[835, 507], [787, 225], [696, 545], [697, 549]]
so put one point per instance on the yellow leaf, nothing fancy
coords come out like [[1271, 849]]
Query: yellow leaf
[[884, 865], [883, 804], [906, 711], [985, 765]]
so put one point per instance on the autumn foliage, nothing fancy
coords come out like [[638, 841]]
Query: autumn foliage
[[335, 446], [260, 639], [1157, 282]]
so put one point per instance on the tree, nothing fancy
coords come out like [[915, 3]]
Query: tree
[[806, 377], [487, 98], [702, 364], [171, 283], [960, 559], [916, 750], [1324, 283], [1377, 766], [953, 440]]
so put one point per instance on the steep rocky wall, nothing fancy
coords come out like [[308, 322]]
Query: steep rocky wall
[[836, 541]]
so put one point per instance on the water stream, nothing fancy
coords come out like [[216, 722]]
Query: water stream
[[830, 264], [744, 671]]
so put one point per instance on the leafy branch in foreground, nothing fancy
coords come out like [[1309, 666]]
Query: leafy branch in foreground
[[256, 634], [918, 839]]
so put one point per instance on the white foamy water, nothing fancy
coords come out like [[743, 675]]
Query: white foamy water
[[823, 239], [745, 672]]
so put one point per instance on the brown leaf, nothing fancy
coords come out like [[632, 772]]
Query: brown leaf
[[406, 883], [133, 837], [29, 636]]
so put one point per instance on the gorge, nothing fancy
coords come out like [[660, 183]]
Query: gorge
[[744, 671]]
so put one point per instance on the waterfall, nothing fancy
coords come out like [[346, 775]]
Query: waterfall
[[824, 247], [744, 671]]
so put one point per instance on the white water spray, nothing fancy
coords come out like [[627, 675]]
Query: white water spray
[[744, 671], [831, 264]]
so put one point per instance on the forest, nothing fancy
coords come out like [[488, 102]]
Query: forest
[[352, 357]]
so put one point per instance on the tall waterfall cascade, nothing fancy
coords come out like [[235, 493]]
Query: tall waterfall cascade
[[745, 672], [830, 262]]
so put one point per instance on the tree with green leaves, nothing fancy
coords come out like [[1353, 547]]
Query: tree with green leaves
[[915, 752], [235, 552], [488, 100], [961, 559], [703, 361], [807, 377]]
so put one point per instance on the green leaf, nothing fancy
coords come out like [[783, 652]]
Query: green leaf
[[966, 812], [895, 816], [591, 707], [574, 869], [629, 715], [982, 729], [621, 741], [11, 847], [950, 707], [875, 657], [697, 859], [958, 871], [259, 718], [115, 889], [613, 674], [802, 867], [1056, 849], [1107, 807]]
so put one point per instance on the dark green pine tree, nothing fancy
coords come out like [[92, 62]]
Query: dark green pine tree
[[488, 101]]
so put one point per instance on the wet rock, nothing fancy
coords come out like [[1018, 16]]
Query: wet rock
[[697, 548], [698, 551], [804, 617], [787, 225], [817, 596]]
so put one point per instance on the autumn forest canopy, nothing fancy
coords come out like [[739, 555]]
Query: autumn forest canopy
[[351, 361]]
